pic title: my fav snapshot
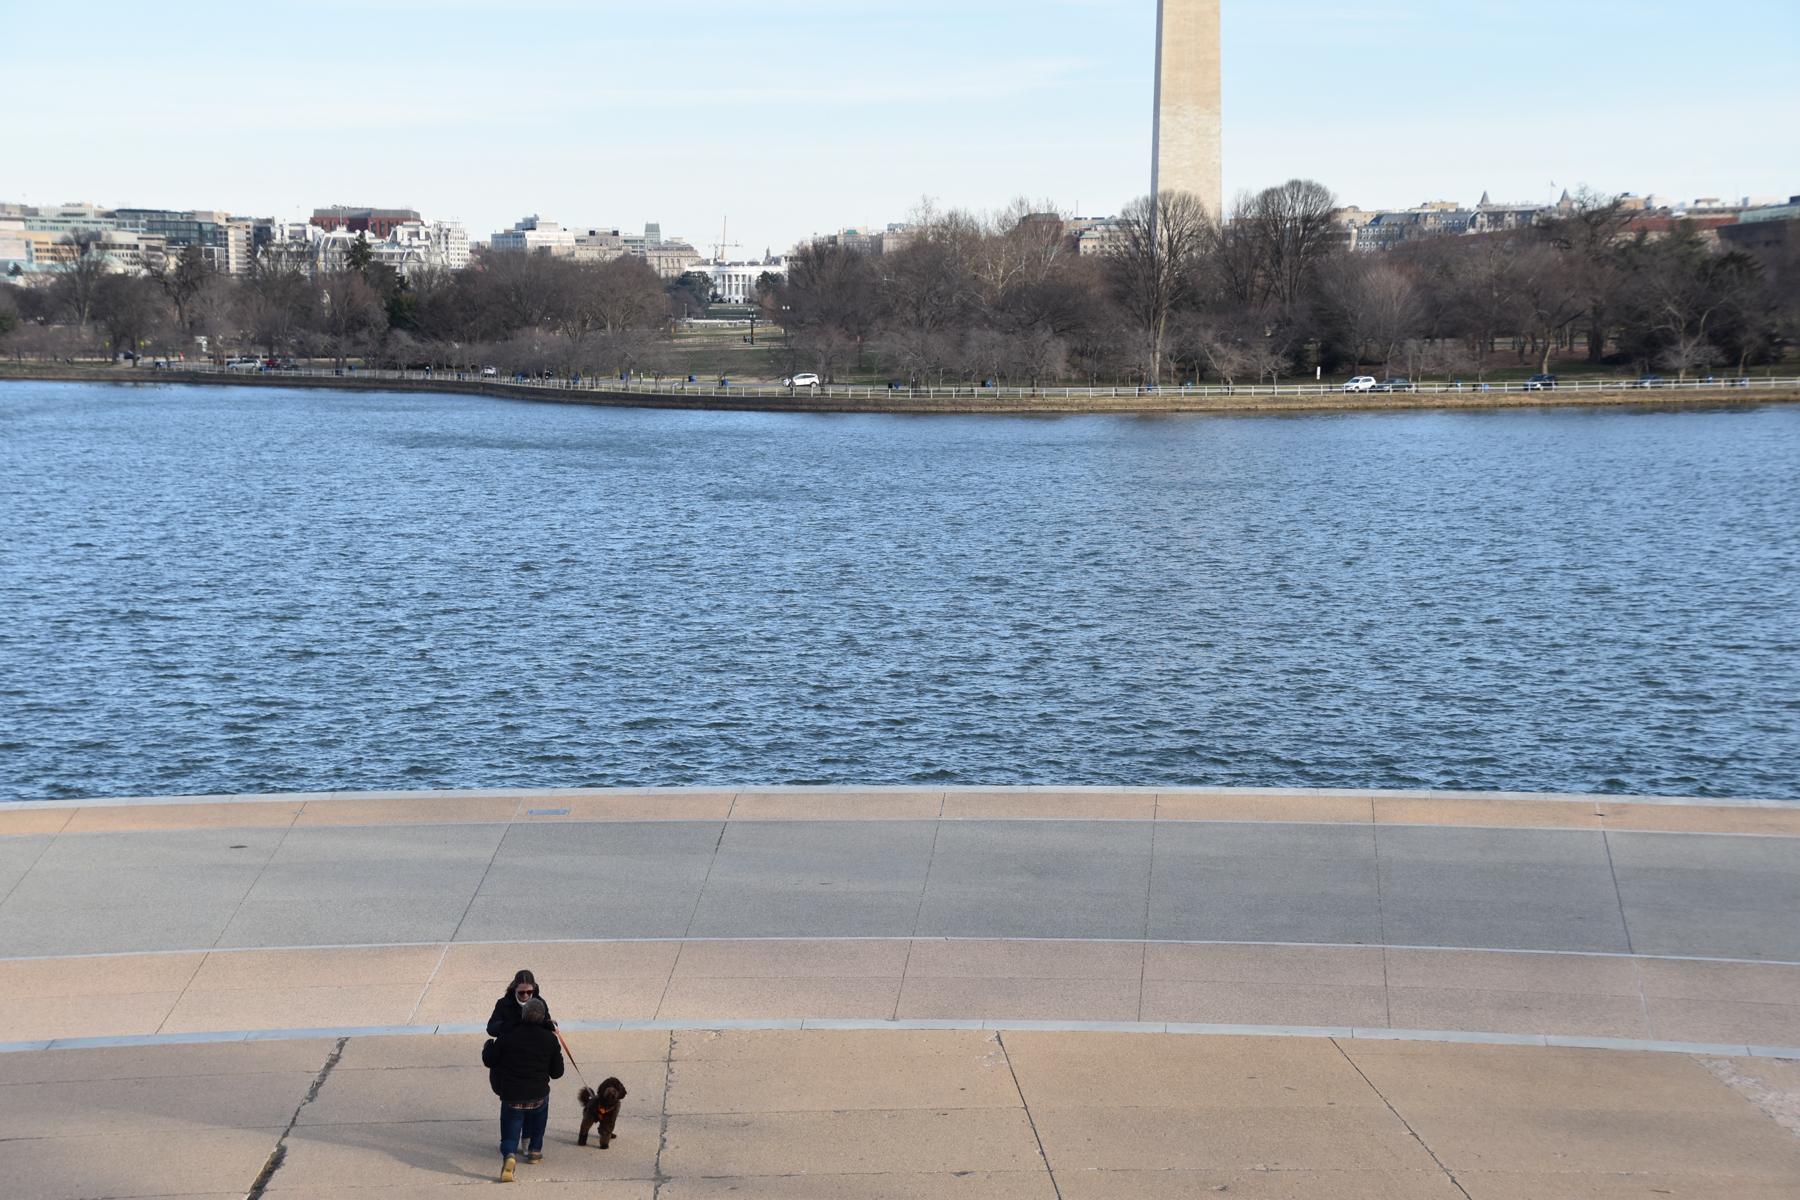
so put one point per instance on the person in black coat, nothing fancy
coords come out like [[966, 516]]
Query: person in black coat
[[521, 1062], [508, 1008]]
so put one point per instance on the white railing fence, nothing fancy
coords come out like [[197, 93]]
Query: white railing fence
[[715, 388]]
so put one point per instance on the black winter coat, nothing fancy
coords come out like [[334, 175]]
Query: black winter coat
[[506, 1015], [522, 1061]]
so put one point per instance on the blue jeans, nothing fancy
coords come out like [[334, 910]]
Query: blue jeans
[[522, 1124]]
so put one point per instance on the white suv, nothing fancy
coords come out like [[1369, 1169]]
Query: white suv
[[244, 365], [1362, 383], [804, 379]]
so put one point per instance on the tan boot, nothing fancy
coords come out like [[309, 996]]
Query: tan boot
[[506, 1169]]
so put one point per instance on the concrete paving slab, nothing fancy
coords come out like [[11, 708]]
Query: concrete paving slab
[[356, 967], [1517, 1011], [334, 919], [1709, 932], [541, 1189], [1236, 807], [838, 806], [990, 959], [1285, 900], [1300, 1138], [1506, 907], [201, 1009], [631, 806], [160, 1062], [1569, 974], [1519, 814], [1059, 1071], [1635, 1185], [1749, 983], [1324, 1184], [1019, 999], [21, 821], [708, 998], [1421, 1075], [35, 926], [621, 999], [1238, 1003], [1342, 966], [17, 856], [1050, 806], [495, 963], [654, 912], [36, 979], [1774, 821], [427, 808], [805, 1050], [131, 1015], [744, 907], [890, 1082], [778, 959], [932, 1141], [457, 1152], [1607, 1139], [172, 1105], [911, 1185], [1723, 1021], [123, 818], [124, 1163]]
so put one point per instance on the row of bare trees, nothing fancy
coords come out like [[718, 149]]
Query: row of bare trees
[[1269, 292], [524, 313], [1273, 291]]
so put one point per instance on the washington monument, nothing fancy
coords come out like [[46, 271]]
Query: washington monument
[[1185, 153]]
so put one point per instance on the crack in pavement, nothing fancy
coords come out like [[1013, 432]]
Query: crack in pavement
[[278, 1155]]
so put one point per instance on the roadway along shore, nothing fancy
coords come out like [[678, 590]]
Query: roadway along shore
[[1128, 402]]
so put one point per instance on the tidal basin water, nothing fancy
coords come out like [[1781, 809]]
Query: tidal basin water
[[209, 590]]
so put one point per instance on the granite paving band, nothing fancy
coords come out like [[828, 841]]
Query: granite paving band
[[913, 1115]]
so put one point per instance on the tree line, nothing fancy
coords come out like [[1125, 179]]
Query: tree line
[[1271, 292], [523, 313]]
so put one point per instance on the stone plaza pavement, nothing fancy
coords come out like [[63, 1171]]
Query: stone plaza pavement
[[1010, 993]]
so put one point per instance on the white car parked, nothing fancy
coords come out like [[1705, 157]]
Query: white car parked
[[245, 365], [1362, 383], [804, 379]]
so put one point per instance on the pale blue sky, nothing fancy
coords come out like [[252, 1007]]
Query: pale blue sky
[[795, 116]]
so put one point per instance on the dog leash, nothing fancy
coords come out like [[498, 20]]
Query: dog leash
[[565, 1045]]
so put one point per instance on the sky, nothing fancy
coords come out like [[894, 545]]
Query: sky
[[793, 117]]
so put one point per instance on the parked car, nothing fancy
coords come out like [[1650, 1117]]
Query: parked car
[[245, 366], [490, 372], [1395, 385], [1648, 381], [1362, 383], [1541, 383], [804, 379]]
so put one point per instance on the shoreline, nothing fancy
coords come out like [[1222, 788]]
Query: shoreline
[[1047, 405]]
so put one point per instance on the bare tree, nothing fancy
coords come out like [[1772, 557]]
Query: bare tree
[[1163, 237], [79, 272], [126, 306], [1291, 228], [182, 281]]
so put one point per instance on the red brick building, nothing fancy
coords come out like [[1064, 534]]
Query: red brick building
[[378, 223]]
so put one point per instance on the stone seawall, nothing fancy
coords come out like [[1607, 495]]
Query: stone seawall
[[1131, 404]]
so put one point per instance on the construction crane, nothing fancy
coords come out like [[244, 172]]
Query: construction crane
[[722, 245]]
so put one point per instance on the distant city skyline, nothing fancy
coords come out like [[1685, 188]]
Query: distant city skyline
[[800, 117]]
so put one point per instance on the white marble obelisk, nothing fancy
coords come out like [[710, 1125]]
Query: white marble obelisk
[[1186, 148]]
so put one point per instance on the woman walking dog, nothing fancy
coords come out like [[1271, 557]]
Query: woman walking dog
[[521, 1060], [510, 1007]]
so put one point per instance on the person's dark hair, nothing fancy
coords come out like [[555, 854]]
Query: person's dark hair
[[523, 977], [536, 1012]]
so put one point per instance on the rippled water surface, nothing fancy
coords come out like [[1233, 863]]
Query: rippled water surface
[[221, 590]]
